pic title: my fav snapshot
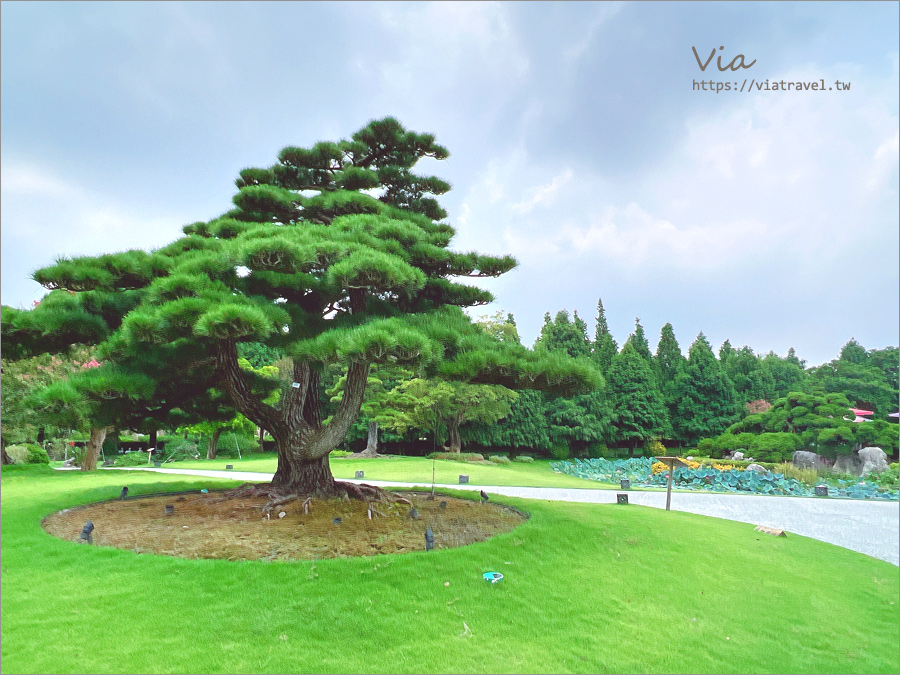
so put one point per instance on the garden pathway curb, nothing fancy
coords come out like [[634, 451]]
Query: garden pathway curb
[[869, 527]]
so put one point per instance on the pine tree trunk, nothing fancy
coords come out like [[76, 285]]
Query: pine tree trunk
[[4, 458], [295, 476], [213, 444], [152, 441], [302, 440], [92, 449], [455, 442], [372, 443]]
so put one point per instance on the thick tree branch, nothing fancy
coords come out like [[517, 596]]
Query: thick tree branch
[[246, 402], [348, 409]]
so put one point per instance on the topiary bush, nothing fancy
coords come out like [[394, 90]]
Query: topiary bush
[[498, 459], [524, 458]]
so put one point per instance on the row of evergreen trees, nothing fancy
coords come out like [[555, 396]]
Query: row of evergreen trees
[[667, 396]]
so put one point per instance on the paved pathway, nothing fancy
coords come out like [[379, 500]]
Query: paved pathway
[[869, 527]]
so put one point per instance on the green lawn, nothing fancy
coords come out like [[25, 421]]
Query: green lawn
[[418, 470], [589, 588]]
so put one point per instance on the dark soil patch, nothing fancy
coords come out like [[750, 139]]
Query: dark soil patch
[[204, 525]]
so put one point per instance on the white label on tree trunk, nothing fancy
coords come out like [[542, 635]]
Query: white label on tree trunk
[[296, 385]]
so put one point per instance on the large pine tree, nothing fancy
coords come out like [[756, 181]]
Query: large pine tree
[[334, 254]]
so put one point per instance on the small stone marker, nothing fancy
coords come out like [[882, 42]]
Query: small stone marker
[[228, 467], [770, 530], [443, 505], [337, 521], [282, 514], [463, 479], [429, 538], [359, 474], [621, 498], [86, 532], [413, 513], [170, 509], [157, 464], [821, 490], [625, 483]]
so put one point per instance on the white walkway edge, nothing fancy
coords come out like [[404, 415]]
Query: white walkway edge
[[870, 527]]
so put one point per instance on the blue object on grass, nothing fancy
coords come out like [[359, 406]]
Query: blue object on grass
[[493, 577], [204, 490]]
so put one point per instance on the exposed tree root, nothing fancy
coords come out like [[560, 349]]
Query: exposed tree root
[[341, 490]]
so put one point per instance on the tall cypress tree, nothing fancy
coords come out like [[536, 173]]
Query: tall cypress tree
[[604, 348], [668, 362], [750, 375], [705, 396], [564, 335], [636, 406], [639, 340], [726, 351]]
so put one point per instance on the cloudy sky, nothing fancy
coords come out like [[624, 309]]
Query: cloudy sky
[[579, 143]]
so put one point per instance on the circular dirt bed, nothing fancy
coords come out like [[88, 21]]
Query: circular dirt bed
[[206, 525]]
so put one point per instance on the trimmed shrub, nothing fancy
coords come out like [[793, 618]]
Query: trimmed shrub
[[524, 458], [655, 449], [560, 451], [774, 447], [498, 459], [27, 453], [597, 450]]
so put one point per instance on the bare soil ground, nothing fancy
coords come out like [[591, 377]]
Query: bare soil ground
[[205, 525]]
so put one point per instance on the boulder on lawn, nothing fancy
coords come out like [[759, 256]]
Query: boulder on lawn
[[755, 467], [804, 459], [874, 460]]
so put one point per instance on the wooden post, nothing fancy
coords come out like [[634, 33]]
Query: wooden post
[[669, 488], [670, 462]]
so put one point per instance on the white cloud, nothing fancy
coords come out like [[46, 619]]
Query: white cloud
[[605, 12], [543, 195], [73, 219]]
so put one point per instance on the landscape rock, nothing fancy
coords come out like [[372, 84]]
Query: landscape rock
[[738, 455], [807, 460], [755, 467], [874, 460], [851, 464]]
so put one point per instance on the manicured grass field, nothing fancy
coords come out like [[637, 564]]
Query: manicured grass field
[[418, 470], [588, 588]]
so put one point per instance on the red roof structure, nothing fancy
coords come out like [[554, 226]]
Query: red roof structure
[[857, 411]]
